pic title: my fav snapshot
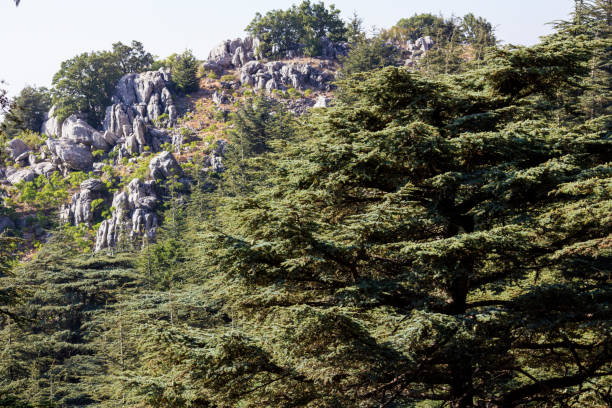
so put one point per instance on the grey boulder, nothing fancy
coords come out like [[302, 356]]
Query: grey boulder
[[92, 184], [164, 165], [51, 125], [73, 155], [44, 169], [16, 148], [76, 130], [21, 176]]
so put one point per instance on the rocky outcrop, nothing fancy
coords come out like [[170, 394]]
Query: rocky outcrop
[[21, 176], [417, 49], [214, 161], [164, 166], [44, 169], [73, 156], [77, 130], [221, 98], [139, 102], [145, 96], [238, 52], [322, 102], [52, 125], [133, 216], [232, 54], [16, 148], [80, 208], [23, 159], [279, 75], [333, 50]]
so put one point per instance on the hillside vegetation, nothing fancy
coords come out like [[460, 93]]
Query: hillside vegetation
[[436, 232]]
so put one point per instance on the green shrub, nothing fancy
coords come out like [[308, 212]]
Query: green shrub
[[95, 204], [142, 170], [293, 93], [82, 235], [42, 193], [228, 78], [97, 154], [26, 113], [303, 24]]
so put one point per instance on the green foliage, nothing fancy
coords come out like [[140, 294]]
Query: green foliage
[[431, 239], [33, 139], [228, 78], [26, 112], [140, 170], [293, 93], [65, 350], [369, 54], [260, 125], [159, 262], [427, 240], [591, 20], [469, 29], [457, 40], [184, 70], [299, 27], [49, 193], [4, 100], [98, 154], [132, 58], [257, 121], [9, 294], [82, 235], [355, 32], [87, 82]]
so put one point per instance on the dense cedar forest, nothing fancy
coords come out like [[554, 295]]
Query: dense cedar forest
[[438, 236]]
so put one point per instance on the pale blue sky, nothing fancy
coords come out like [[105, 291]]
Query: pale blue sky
[[39, 34]]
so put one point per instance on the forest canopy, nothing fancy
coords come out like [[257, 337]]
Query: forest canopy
[[438, 235]]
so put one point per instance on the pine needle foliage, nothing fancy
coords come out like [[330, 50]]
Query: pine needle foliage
[[426, 240]]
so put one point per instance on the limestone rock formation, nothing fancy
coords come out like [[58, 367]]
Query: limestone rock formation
[[145, 96], [279, 75], [21, 175], [74, 156], [214, 161], [322, 102], [133, 216], [77, 130], [138, 104], [417, 49], [164, 166], [232, 54], [238, 52], [23, 159], [16, 148], [44, 169], [51, 125], [139, 101], [80, 208], [221, 98]]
